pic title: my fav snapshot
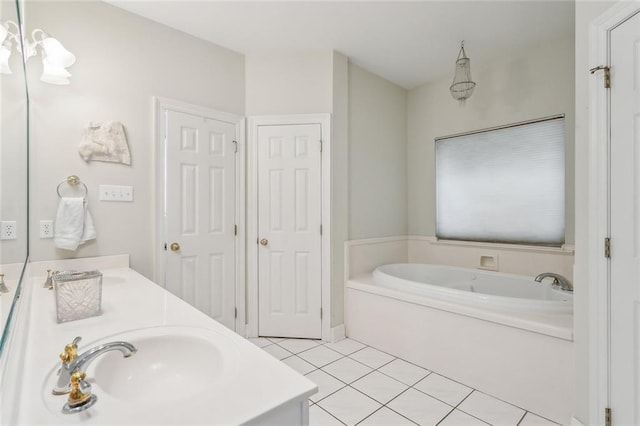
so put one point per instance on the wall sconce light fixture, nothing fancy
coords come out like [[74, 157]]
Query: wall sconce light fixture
[[462, 87], [55, 58]]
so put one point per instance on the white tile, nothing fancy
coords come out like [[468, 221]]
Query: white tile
[[419, 407], [405, 372], [531, 419], [320, 356], [275, 339], [346, 346], [349, 405], [458, 418], [297, 345], [444, 389], [319, 417], [347, 369], [326, 384], [277, 351], [372, 357], [260, 341], [491, 410], [299, 364], [379, 387], [386, 417]]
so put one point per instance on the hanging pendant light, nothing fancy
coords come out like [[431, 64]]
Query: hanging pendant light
[[462, 87]]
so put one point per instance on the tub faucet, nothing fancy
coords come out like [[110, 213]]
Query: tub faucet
[[558, 280], [71, 362]]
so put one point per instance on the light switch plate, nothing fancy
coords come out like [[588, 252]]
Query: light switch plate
[[116, 193]]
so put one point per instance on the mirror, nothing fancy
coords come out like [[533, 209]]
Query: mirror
[[124, 60], [14, 107]]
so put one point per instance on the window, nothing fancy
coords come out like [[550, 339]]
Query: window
[[503, 185]]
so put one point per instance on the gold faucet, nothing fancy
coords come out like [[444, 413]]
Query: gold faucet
[[72, 362], [77, 396], [80, 397], [70, 351]]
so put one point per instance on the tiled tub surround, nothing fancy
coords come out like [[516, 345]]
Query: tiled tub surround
[[363, 256], [526, 359], [359, 384], [262, 387]]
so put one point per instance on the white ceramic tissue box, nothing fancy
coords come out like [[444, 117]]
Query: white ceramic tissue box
[[78, 294]]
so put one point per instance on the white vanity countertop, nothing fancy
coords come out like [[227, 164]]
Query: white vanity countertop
[[130, 301]]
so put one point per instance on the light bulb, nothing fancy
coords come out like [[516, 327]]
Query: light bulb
[[4, 32], [5, 54], [54, 74], [57, 55]]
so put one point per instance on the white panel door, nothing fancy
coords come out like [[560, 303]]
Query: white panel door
[[200, 213], [289, 220], [625, 223]]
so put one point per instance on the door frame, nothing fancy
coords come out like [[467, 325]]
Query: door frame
[[161, 105], [253, 123], [599, 205]]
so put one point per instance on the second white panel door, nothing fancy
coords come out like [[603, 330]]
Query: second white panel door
[[289, 231], [200, 213], [625, 223]]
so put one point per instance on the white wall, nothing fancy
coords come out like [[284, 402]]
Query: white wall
[[526, 84], [123, 60], [377, 156], [339, 191], [585, 12], [289, 83]]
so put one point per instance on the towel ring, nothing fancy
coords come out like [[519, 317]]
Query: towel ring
[[72, 180]]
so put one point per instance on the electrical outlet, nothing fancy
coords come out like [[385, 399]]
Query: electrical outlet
[[46, 229], [8, 230]]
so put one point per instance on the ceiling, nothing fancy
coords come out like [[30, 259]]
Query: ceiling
[[407, 42]]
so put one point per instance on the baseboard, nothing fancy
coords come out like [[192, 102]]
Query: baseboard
[[337, 333]]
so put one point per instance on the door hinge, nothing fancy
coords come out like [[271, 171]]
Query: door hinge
[[607, 416], [235, 229], [607, 74], [320, 229], [235, 313], [235, 147], [320, 313], [320, 146], [607, 248]]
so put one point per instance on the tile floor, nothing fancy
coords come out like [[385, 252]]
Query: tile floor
[[361, 385]]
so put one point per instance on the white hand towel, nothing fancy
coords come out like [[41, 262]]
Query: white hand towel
[[74, 225]]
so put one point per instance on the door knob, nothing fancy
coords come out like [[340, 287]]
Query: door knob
[[264, 241], [175, 246]]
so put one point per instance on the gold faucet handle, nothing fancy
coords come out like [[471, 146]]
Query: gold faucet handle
[[70, 350], [80, 389]]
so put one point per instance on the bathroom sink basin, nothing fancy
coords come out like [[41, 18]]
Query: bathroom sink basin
[[170, 362]]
